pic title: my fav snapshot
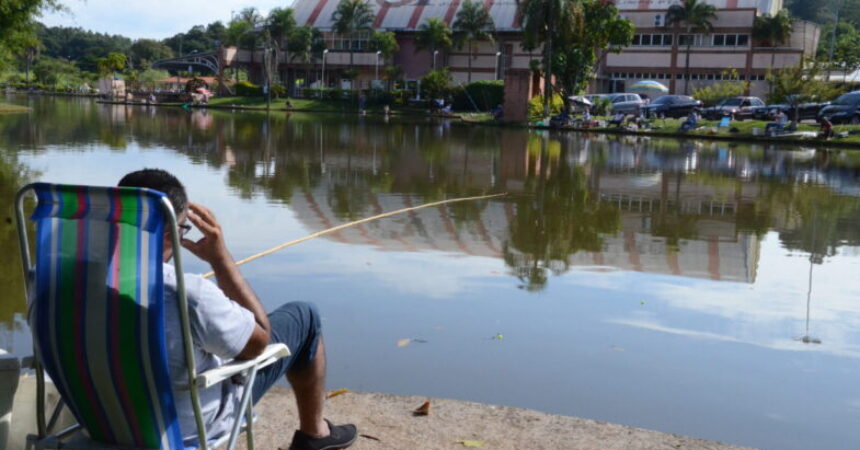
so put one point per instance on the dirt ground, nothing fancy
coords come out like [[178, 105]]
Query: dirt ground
[[387, 422]]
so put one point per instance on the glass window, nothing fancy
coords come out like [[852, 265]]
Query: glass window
[[667, 39], [646, 39], [637, 39], [731, 40], [743, 40], [719, 40], [686, 39]]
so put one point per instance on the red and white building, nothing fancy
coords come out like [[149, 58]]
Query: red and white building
[[658, 51]]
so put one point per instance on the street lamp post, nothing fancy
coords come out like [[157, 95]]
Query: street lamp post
[[498, 64], [435, 52], [378, 54], [322, 78]]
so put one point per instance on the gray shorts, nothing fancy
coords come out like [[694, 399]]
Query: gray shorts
[[296, 324]]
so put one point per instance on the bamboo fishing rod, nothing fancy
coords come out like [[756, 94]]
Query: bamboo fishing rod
[[354, 223]]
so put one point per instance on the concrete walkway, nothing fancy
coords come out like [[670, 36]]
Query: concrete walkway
[[386, 422]]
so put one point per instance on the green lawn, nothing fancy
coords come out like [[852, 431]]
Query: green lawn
[[6, 108]]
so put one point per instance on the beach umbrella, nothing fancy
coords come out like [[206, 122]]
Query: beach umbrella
[[648, 85], [580, 100]]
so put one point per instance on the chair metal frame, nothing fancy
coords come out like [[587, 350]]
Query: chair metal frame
[[245, 417]]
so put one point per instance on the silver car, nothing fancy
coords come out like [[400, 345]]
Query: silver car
[[625, 103]]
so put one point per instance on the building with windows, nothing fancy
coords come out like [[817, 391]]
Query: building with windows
[[659, 51]]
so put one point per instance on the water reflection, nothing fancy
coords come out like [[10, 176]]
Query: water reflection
[[677, 251]]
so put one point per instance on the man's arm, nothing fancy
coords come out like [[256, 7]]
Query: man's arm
[[212, 249]]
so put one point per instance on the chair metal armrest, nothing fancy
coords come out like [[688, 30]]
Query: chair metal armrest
[[272, 353]]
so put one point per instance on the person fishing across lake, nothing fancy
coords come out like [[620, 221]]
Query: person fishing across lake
[[229, 322]]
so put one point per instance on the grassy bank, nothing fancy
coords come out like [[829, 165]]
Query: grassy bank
[[6, 108], [741, 131]]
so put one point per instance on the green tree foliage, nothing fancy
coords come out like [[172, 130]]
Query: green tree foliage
[[695, 16], [814, 10], [773, 31], [146, 51], [796, 85], [82, 47], [437, 83], [280, 25], [111, 63], [433, 35], [17, 23], [578, 54], [473, 23], [54, 72], [384, 42], [545, 21], [350, 18], [731, 86], [198, 39]]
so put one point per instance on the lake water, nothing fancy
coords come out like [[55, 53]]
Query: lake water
[[702, 288]]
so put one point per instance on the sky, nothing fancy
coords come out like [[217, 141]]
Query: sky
[[155, 19]]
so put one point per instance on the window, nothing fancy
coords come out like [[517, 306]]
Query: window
[[667, 39], [719, 39], [731, 40], [743, 40], [686, 39], [646, 39], [658, 20], [637, 40]]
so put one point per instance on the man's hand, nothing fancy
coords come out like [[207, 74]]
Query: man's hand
[[211, 247]]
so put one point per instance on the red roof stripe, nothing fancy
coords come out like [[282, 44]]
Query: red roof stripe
[[316, 12], [416, 14], [452, 9], [380, 16]]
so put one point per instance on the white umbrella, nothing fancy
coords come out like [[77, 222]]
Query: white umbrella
[[580, 99]]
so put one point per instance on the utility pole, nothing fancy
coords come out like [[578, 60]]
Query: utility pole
[[833, 40]]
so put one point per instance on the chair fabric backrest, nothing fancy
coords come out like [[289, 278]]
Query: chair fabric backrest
[[97, 310]]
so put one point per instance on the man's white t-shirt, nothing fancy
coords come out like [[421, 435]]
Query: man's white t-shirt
[[220, 328]]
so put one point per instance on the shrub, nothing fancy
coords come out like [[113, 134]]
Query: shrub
[[486, 95], [536, 106], [278, 91], [602, 106], [248, 89], [436, 84]]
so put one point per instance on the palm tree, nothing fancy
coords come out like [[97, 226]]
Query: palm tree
[[351, 17], [280, 26], [773, 31], [697, 16], [542, 20], [433, 36], [473, 23], [305, 42]]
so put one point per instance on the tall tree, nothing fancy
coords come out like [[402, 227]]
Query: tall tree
[[543, 20], [578, 56], [279, 26], [146, 51], [695, 16], [773, 31], [17, 25], [305, 43], [433, 35], [350, 18], [473, 23]]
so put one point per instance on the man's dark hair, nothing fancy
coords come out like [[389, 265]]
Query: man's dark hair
[[160, 180]]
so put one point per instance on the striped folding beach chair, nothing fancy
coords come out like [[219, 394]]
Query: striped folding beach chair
[[96, 313]]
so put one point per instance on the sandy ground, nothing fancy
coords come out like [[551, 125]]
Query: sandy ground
[[386, 422]]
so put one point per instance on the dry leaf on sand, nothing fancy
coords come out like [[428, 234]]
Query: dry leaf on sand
[[335, 393], [423, 410], [472, 444]]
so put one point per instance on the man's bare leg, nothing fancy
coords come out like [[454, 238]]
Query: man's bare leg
[[309, 387]]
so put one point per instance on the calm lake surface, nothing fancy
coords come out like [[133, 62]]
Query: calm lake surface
[[703, 288]]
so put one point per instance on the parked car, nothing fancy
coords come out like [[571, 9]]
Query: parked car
[[676, 106], [808, 110], [845, 109], [738, 108], [625, 103]]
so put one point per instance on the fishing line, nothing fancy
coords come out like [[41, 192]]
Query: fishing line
[[356, 222]]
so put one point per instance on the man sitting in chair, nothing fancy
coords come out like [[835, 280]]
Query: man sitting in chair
[[229, 322]]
